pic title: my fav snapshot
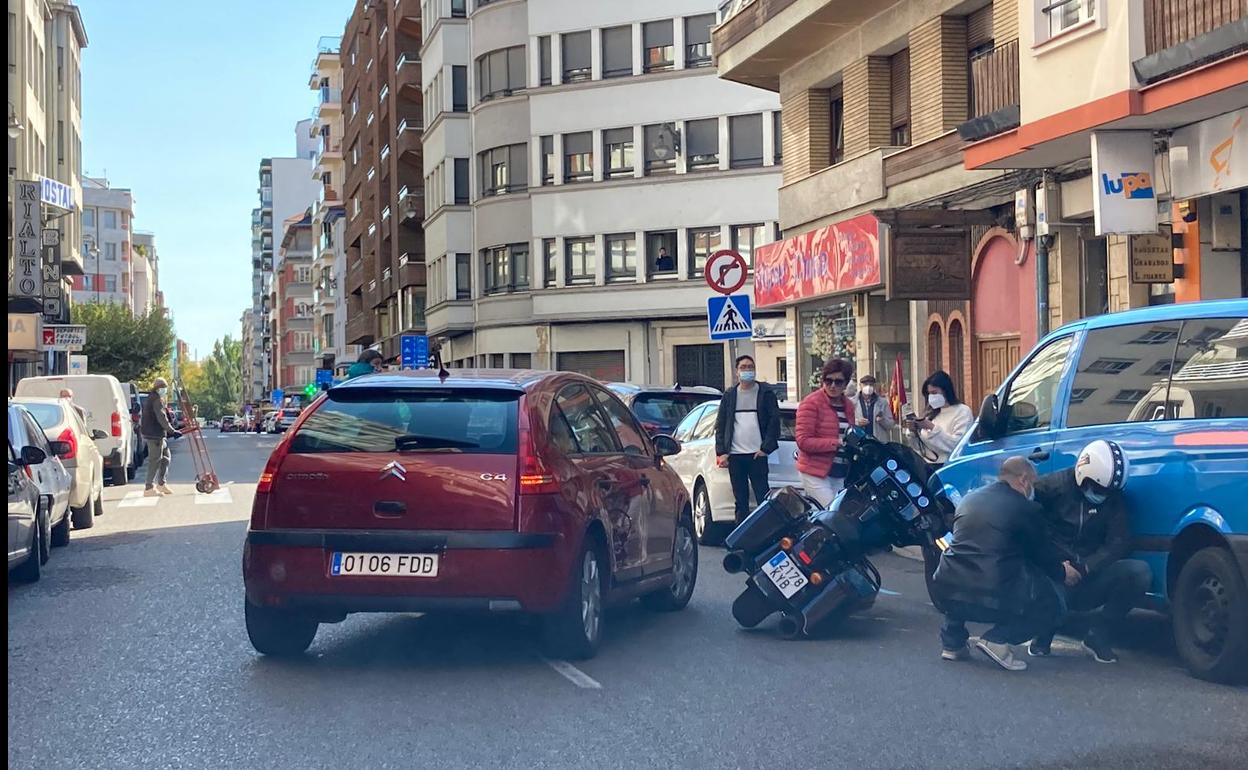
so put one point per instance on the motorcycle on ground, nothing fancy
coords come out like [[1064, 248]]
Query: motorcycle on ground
[[812, 565]]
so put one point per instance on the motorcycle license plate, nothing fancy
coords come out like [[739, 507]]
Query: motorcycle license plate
[[784, 574]]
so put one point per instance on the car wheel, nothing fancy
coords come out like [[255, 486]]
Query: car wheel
[[84, 517], [45, 535], [574, 630], [118, 477], [276, 632], [707, 530], [684, 572], [30, 570], [60, 533], [1211, 617]]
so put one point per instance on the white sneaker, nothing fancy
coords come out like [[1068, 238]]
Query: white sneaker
[[164, 490], [1002, 655], [151, 492]]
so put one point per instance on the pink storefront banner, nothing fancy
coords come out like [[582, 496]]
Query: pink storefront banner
[[836, 259]]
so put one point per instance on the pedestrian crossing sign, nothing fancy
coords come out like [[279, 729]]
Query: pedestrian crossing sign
[[728, 318]]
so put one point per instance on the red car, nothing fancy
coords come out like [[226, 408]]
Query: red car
[[492, 491]]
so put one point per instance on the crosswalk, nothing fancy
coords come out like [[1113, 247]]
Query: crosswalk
[[136, 499]]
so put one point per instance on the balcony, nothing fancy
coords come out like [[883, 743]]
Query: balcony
[[360, 328], [355, 275], [407, 75], [1183, 34], [412, 204], [407, 140], [408, 14], [994, 92]]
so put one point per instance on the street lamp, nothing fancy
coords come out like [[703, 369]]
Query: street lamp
[[15, 125]]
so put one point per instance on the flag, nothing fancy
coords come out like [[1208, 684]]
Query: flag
[[897, 389]]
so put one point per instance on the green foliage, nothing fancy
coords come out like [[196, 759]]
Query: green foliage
[[131, 349], [215, 385]]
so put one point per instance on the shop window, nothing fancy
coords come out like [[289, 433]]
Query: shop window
[[827, 332]]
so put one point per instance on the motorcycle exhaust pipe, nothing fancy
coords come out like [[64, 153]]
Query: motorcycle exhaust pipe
[[734, 562], [790, 626]]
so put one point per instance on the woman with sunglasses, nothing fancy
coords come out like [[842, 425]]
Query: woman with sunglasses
[[823, 417]]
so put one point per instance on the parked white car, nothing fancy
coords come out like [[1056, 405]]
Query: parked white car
[[106, 408], [50, 476], [60, 421], [714, 513]]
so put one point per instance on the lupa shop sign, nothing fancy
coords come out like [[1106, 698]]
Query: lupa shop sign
[[1124, 200]]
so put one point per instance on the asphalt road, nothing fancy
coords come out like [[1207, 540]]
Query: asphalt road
[[131, 653]]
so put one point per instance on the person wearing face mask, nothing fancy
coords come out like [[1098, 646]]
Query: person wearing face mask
[[1002, 568], [1087, 519], [370, 361], [747, 429], [873, 411], [946, 421], [155, 428], [823, 418]]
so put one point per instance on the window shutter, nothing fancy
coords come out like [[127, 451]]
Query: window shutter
[[979, 28], [900, 66]]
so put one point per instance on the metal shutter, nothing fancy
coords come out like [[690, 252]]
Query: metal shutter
[[602, 365]]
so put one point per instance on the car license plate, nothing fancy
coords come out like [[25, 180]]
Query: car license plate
[[784, 574], [387, 564]]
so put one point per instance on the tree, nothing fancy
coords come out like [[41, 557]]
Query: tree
[[131, 349], [216, 384]]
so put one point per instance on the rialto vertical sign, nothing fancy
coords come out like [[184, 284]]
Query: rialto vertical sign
[[1124, 199], [26, 282]]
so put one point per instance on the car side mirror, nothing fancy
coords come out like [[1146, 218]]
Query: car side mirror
[[32, 455], [60, 448], [98, 434], [666, 446], [989, 424]]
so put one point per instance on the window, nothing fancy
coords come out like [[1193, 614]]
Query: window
[[459, 9], [1032, 394], [698, 40], [935, 345], [1064, 16], [544, 59], [110, 282], [463, 276], [702, 137], [661, 144], [590, 429], [703, 242], [506, 268], [618, 150], [500, 73], [777, 131], [1209, 370], [110, 251], [110, 220], [955, 354], [460, 181], [88, 218], [621, 257], [577, 61], [578, 156], [550, 258], [548, 159], [745, 141], [504, 169], [459, 88], [836, 124], [661, 252], [355, 99], [581, 264], [1124, 372], [521, 360], [899, 64], [656, 39], [630, 435], [745, 238], [617, 52]]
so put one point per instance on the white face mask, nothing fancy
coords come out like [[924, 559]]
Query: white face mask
[[936, 400], [867, 390]]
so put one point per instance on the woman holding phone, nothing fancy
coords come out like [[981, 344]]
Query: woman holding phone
[[946, 420]]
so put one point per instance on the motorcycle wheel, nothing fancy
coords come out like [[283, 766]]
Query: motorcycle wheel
[[751, 608]]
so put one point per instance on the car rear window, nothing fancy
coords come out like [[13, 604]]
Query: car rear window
[[47, 415], [667, 408], [369, 420], [290, 412], [788, 425]]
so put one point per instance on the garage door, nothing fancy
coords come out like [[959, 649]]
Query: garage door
[[602, 365], [700, 365]]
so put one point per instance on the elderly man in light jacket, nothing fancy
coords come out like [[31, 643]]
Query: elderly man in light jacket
[[874, 416]]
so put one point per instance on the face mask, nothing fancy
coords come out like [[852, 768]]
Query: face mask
[[868, 390], [1096, 498], [747, 376], [936, 401], [1031, 492], [161, 392]]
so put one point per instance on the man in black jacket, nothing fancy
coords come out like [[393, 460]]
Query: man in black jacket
[[747, 429], [1087, 520], [155, 428], [1001, 568]]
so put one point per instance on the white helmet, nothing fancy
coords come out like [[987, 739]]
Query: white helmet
[[1100, 469]]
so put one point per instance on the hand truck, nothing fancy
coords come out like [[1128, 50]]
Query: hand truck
[[205, 477]]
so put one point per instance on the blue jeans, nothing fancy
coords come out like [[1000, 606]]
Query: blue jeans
[[1010, 627]]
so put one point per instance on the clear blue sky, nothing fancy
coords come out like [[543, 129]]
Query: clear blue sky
[[180, 102]]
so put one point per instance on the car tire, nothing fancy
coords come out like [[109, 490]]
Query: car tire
[[684, 572], [706, 529], [98, 506], [277, 632], [30, 570], [60, 532], [1210, 616], [84, 517], [45, 535], [574, 631], [118, 477]]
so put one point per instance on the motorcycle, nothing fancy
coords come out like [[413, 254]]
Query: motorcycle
[[811, 564]]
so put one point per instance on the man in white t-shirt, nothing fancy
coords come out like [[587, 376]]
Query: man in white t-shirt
[[747, 429]]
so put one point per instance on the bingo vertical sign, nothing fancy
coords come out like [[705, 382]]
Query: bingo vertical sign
[[26, 282]]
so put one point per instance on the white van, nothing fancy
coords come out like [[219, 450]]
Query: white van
[[107, 409]]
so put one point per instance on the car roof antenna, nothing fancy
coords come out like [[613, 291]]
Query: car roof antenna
[[437, 359]]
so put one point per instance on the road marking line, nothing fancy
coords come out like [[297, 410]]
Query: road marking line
[[137, 500], [573, 674], [219, 497]]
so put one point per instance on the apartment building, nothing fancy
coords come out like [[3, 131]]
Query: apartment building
[[253, 355], [107, 242], [329, 259], [145, 285], [385, 273], [293, 306], [582, 161]]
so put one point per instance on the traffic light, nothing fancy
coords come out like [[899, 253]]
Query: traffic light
[[310, 390]]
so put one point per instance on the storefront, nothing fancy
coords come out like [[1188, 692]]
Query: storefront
[[24, 356]]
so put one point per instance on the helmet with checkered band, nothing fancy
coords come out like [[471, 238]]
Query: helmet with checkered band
[[1100, 469]]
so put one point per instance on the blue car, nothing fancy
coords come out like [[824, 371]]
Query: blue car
[[1170, 385]]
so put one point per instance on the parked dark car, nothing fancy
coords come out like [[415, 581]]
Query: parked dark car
[[660, 408], [229, 424], [487, 490], [29, 528]]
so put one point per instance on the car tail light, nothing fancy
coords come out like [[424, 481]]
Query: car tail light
[[535, 477], [71, 438], [267, 481], [116, 421]]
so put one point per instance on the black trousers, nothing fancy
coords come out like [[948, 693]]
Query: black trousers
[[1115, 589], [745, 471], [1009, 627]]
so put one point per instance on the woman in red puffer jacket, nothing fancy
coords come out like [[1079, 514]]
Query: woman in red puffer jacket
[[823, 417]]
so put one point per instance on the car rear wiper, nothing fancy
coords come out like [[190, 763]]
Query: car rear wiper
[[417, 441]]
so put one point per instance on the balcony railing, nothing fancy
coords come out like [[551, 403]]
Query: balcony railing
[[330, 95], [994, 80], [1168, 23]]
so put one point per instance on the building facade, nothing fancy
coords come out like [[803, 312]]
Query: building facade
[[145, 262], [108, 242], [293, 313], [582, 161], [385, 272]]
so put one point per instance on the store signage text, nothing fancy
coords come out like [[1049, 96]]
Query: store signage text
[[835, 259], [56, 194], [929, 264], [1210, 156], [1152, 258], [1124, 201], [64, 337], [27, 279], [23, 331]]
